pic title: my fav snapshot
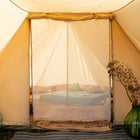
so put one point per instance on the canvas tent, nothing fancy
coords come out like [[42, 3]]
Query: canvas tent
[[122, 37]]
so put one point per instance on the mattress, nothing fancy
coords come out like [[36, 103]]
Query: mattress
[[76, 98]]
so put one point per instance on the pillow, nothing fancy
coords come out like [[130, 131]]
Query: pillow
[[74, 87], [83, 87], [94, 89]]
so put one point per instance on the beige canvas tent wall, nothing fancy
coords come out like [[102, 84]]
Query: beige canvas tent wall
[[14, 55]]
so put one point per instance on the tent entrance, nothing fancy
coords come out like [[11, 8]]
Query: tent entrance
[[69, 75]]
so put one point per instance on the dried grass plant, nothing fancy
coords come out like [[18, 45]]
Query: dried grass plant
[[123, 73]]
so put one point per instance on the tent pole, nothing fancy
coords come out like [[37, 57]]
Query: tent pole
[[111, 59], [110, 41], [31, 63], [67, 62]]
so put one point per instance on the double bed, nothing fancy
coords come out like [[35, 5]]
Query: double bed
[[76, 98], [79, 104]]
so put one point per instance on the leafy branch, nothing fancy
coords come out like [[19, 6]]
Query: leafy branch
[[125, 75]]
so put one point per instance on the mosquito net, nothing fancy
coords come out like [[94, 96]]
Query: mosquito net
[[69, 76]]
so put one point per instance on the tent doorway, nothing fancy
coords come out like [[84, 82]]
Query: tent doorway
[[69, 77]]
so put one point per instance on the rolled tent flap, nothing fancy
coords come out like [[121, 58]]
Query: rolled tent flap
[[14, 78], [70, 16]]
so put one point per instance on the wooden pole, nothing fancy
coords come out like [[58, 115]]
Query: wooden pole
[[67, 62]]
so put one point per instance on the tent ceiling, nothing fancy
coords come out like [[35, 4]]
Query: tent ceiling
[[11, 18], [129, 20], [71, 6]]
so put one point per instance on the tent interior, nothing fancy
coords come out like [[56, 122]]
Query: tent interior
[[61, 49]]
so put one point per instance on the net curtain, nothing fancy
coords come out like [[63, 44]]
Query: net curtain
[[66, 53], [81, 48]]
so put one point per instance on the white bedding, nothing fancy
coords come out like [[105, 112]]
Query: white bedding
[[77, 98], [80, 106]]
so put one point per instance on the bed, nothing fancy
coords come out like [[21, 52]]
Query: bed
[[76, 98], [86, 103]]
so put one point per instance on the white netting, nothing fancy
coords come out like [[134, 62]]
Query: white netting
[[70, 81]]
